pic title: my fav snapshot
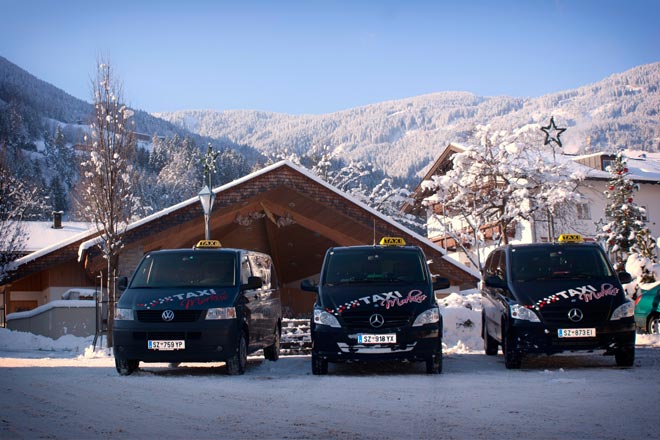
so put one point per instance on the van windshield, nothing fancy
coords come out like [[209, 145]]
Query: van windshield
[[178, 269], [558, 262], [374, 265]]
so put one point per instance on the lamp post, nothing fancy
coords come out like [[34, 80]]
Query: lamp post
[[206, 198]]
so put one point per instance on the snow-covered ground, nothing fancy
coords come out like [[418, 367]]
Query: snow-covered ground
[[64, 389]]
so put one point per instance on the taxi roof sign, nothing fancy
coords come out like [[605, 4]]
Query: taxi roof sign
[[392, 241], [570, 238], [208, 244]]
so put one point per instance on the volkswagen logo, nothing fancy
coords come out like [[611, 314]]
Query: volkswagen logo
[[167, 315], [376, 320], [575, 315]]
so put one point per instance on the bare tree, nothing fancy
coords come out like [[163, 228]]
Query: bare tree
[[105, 194]]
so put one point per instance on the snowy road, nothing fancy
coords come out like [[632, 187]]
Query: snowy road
[[475, 398]]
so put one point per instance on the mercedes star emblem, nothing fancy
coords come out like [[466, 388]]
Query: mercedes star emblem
[[167, 315], [376, 320], [575, 315]]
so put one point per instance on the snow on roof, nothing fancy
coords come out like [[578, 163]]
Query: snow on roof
[[42, 234], [642, 165]]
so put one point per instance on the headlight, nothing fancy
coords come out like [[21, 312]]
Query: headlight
[[625, 310], [221, 313], [523, 313], [123, 314], [429, 316], [321, 317]]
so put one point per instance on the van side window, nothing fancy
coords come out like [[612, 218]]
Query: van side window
[[246, 272], [500, 271], [261, 268]]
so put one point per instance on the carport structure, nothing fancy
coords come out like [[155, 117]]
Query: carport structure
[[283, 210]]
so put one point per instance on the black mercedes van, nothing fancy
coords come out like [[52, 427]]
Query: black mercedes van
[[376, 303], [549, 298], [204, 304]]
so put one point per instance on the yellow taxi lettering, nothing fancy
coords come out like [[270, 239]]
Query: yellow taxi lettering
[[392, 241], [570, 238], [208, 244]]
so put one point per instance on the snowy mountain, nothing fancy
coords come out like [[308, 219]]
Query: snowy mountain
[[37, 105], [404, 137]]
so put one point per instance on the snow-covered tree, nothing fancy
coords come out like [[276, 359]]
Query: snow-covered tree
[[506, 177], [105, 190], [626, 218], [17, 200]]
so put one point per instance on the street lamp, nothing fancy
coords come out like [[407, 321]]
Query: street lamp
[[206, 197]]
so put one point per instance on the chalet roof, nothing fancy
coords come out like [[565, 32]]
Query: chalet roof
[[282, 209]]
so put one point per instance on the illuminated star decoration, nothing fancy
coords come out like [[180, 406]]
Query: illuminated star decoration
[[552, 132]]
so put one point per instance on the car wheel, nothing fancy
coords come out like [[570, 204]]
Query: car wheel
[[272, 352], [319, 365], [653, 325], [126, 367], [512, 357], [434, 364], [625, 357], [236, 364], [490, 344]]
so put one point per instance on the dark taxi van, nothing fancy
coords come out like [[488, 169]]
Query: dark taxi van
[[204, 304], [549, 298], [376, 303]]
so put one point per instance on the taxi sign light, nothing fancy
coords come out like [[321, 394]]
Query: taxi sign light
[[392, 241], [208, 244], [570, 238]]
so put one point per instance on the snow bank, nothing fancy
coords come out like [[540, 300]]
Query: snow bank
[[461, 315]]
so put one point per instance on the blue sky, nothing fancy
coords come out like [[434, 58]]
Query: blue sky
[[313, 57]]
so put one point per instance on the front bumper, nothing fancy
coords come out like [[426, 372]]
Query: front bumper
[[205, 341], [535, 338], [412, 343]]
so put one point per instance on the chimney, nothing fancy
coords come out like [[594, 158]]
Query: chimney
[[57, 219]]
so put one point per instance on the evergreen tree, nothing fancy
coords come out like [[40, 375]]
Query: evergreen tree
[[57, 195], [626, 219]]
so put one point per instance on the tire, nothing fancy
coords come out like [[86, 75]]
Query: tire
[[319, 365], [512, 358], [236, 364], [272, 352], [490, 344], [434, 363], [625, 357], [126, 367], [653, 325]]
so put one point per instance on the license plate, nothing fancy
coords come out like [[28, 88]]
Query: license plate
[[576, 332], [166, 345], [377, 339]]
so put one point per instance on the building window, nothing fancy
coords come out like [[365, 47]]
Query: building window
[[583, 211]]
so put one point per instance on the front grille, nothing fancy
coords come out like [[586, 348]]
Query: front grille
[[157, 315], [360, 320], [594, 315], [166, 336]]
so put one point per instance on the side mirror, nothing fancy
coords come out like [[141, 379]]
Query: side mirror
[[625, 277], [495, 282], [440, 283], [307, 286], [122, 283], [253, 283]]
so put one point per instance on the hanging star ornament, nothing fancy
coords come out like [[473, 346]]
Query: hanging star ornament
[[552, 132]]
